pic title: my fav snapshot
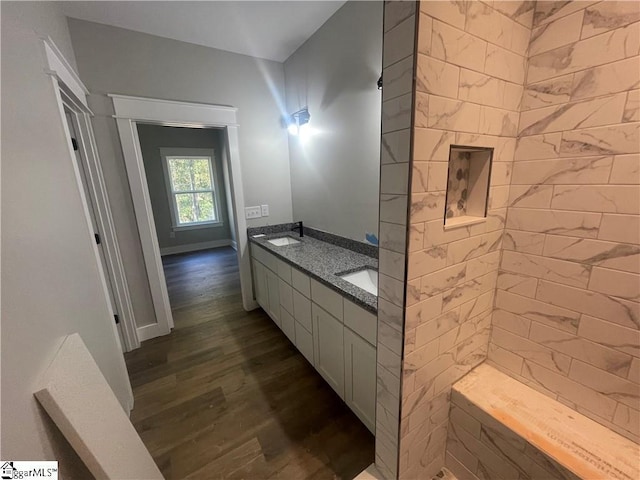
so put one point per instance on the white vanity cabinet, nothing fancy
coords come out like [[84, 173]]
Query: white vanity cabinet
[[334, 334]]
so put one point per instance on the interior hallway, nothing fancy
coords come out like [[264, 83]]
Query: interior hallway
[[226, 395]]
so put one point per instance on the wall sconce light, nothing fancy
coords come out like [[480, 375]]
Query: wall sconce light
[[297, 120]]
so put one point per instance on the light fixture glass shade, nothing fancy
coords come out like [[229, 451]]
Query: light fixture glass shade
[[293, 128], [297, 120]]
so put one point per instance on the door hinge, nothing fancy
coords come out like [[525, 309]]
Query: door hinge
[[97, 237], [117, 319], [74, 143]]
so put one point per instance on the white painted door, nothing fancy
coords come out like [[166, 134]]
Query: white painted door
[[84, 182], [329, 348], [360, 377]]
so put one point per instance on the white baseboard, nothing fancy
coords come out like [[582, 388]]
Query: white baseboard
[[192, 247], [234, 245], [150, 331]]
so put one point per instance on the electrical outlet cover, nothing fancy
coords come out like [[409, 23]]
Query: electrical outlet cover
[[252, 212], [265, 210]]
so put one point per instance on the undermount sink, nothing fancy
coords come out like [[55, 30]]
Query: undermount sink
[[282, 241], [366, 279]]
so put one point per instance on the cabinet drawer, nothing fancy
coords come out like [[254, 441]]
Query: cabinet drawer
[[302, 310], [328, 299], [304, 342], [300, 282], [360, 321], [258, 253], [284, 271], [270, 261], [288, 325], [286, 296]]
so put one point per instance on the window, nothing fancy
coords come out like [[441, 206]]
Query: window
[[192, 188]]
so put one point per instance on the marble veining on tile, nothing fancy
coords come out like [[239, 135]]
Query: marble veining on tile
[[553, 87], [606, 16]]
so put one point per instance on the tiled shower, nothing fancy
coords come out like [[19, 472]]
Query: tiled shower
[[546, 287]]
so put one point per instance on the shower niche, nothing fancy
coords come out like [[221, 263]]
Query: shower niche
[[467, 185]]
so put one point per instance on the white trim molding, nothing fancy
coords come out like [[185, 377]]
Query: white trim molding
[[129, 111], [68, 78], [70, 91], [169, 112], [194, 247]]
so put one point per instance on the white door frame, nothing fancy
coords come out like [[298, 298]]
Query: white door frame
[[129, 111], [70, 91]]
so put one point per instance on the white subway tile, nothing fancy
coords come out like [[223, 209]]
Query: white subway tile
[[605, 16], [566, 171], [590, 352], [594, 252], [597, 198], [620, 228], [610, 334], [457, 47], [539, 311], [568, 273], [626, 169], [570, 389], [614, 387], [616, 310], [576, 224], [437, 77], [556, 34]]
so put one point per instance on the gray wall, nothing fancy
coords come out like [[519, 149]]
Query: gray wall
[[115, 60], [152, 139], [50, 280], [335, 172]]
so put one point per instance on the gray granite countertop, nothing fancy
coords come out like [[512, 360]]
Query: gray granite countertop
[[323, 262]]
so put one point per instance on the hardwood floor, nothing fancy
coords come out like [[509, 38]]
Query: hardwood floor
[[226, 395]]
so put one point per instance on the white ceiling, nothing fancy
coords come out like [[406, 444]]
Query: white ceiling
[[263, 29]]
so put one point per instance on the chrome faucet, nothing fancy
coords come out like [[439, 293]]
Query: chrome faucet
[[299, 227]]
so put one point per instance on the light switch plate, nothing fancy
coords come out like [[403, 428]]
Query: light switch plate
[[265, 210], [252, 212]]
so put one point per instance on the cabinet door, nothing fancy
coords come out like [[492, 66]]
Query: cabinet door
[[329, 348], [273, 288], [302, 310], [286, 296], [288, 325], [260, 283], [304, 342], [360, 378]]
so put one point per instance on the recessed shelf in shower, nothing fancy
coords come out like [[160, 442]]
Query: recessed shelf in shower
[[467, 185]]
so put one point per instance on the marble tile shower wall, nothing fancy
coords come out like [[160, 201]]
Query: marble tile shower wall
[[397, 101], [471, 66], [567, 317]]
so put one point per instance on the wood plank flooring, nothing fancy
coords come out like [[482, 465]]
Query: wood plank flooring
[[227, 396]]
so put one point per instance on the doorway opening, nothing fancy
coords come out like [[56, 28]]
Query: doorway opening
[[187, 177], [133, 111], [189, 187]]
